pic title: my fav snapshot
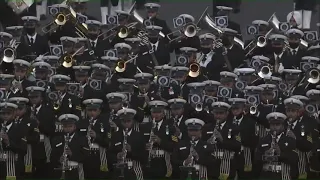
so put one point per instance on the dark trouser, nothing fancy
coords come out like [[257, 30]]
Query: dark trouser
[[40, 169], [91, 167], [72, 175], [157, 169], [125, 174]]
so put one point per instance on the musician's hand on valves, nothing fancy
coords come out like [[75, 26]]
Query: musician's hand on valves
[[68, 152], [156, 139], [281, 68], [218, 135], [120, 155], [5, 138], [92, 134], [195, 155], [113, 125], [291, 134], [128, 148], [188, 161]]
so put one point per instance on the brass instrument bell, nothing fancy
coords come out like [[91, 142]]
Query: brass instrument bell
[[121, 66], [194, 70]]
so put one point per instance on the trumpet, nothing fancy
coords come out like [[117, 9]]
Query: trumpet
[[253, 110], [65, 156], [265, 71], [199, 107], [122, 64], [90, 141], [151, 142]]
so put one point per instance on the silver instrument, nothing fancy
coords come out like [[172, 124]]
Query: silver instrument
[[124, 152], [90, 140], [151, 142], [199, 107], [65, 156], [253, 109], [16, 85], [265, 72]]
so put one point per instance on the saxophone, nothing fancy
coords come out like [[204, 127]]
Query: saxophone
[[90, 141], [65, 156], [151, 142]]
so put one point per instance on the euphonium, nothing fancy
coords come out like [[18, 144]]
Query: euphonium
[[90, 141], [65, 156], [151, 142]]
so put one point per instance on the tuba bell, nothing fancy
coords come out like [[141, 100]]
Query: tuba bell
[[194, 70]]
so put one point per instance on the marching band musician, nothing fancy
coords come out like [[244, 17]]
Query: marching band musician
[[294, 18], [193, 75], [178, 74], [153, 15], [126, 152], [268, 103], [277, 56], [276, 156], [159, 46], [30, 125], [185, 41], [13, 143], [96, 129], [178, 117], [115, 101], [81, 75], [145, 92], [130, 70], [206, 43], [262, 29], [246, 75], [210, 93], [20, 83], [80, 6], [42, 72], [67, 103], [225, 11], [249, 139], [291, 80], [123, 20], [44, 115], [5, 85], [70, 150], [126, 85], [301, 129], [160, 141], [225, 137], [192, 157], [296, 50], [228, 80], [228, 57], [32, 43], [98, 45], [68, 44]]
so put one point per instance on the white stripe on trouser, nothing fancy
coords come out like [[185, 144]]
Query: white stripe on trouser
[[262, 131], [47, 148], [285, 171], [28, 159], [168, 164], [225, 163], [247, 157], [10, 164], [80, 171], [137, 170], [203, 173], [302, 162], [306, 18], [103, 156]]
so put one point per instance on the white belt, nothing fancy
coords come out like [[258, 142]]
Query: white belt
[[73, 164], [158, 152], [196, 166], [270, 167], [94, 146]]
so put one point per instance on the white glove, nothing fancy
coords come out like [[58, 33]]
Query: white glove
[[281, 68]]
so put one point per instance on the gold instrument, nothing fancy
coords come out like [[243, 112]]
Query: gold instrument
[[56, 97], [65, 157], [312, 76], [122, 64], [151, 142], [61, 18], [90, 141], [67, 60], [120, 31], [188, 30]]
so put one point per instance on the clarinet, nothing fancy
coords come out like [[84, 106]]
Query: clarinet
[[213, 138], [3, 131], [88, 133], [273, 142], [191, 164], [151, 142], [65, 156], [124, 152]]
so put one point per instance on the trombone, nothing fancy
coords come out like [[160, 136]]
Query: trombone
[[188, 30], [194, 68], [68, 60], [312, 76], [10, 53], [265, 72], [120, 31], [122, 64]]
